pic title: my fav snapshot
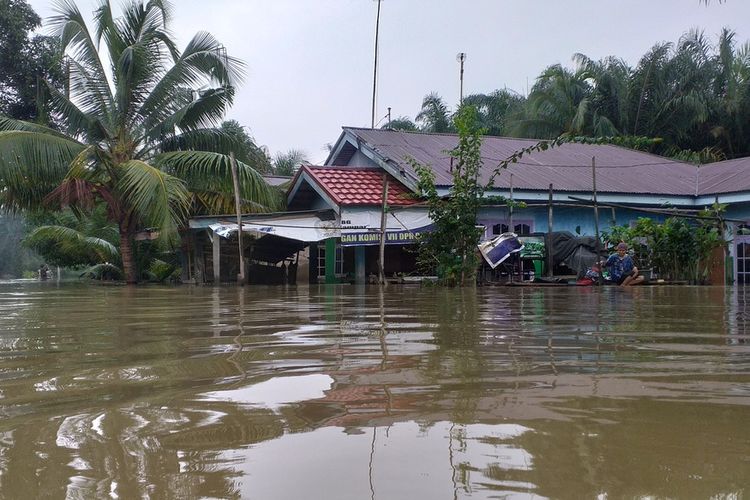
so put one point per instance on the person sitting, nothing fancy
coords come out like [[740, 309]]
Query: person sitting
[[621, 267]]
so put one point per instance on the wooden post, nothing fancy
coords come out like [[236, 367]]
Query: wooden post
[[596, 215], [550, 248], [217, 258], [238, 209], [510, 207], [512, 230], [383, 228]]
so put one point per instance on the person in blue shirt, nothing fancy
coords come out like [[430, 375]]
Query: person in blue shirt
[[622, 269]]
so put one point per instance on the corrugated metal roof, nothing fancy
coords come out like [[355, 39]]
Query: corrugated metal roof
[[729, 176], [276, 180], [359, 186], [567, 168]]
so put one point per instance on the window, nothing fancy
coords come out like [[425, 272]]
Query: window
[[338, 268], [499, 229], [743, 260], [522, 229]]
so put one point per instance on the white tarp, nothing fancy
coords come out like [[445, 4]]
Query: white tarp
[[308, 227], [356, 226]]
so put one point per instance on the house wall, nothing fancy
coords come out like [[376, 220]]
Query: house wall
[[360, 160], [578, 220]]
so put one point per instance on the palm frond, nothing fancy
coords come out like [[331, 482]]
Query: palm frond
[[31, 165], [157, 198], [70, 240], [102, 271], [207, 139], [8, 124], [70, 27], [206, 172], [204, 60]]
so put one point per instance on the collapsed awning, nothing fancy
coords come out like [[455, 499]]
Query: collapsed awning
[[301, 226]]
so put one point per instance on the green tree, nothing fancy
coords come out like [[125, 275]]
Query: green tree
[[140, 137], [434, 115], [401, 123], [248, 152], [496, 109], [451, 247], [286, 163], [25, 63], [558, 103], [14, 257], [65, 240]]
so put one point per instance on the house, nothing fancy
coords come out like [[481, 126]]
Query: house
[[348, 191], [629, 184]]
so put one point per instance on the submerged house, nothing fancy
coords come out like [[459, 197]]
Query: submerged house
[[347, 190]]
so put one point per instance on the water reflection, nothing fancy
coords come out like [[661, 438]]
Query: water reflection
[[347, 392]]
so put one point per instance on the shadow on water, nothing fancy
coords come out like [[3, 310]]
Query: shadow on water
[[359, 392]]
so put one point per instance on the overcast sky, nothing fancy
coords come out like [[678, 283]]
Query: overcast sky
[[310, 62]]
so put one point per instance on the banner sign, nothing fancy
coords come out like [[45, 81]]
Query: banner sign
[[360, 226], [405, 237]]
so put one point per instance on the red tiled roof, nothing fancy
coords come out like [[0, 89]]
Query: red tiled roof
[[359, 186]]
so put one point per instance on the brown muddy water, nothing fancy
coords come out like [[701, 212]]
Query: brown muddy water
[[348, 393]]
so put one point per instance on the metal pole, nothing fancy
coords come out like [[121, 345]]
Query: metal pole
[[389, 117], [238, 209], [461, 58], [596, 215], [550, 248], [383, 227], [375, 67]]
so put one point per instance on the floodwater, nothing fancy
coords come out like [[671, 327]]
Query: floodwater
[[350, 393]]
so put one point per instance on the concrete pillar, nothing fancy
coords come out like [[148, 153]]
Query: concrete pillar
[[360, 276], [330, 261], [217, 258]]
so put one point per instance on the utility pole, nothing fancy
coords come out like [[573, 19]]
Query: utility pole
[[550, 245], [383, 229], [236, 184], [375, 66], [461, 57]]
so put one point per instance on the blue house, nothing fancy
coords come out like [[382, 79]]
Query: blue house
[[629, 184]]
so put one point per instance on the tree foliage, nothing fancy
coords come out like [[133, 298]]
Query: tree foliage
[[140, 136], [676, 249], [26, 62], [65, 240], [247, 151], [692, 96], [286, 163], [451, 248]]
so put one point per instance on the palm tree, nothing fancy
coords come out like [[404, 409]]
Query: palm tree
[[401, 123], [496, 110], [434, 115], [559, 103], [730, 110], [288, 162], [140, 137]]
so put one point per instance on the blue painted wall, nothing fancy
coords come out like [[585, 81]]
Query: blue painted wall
[[574, 219]]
